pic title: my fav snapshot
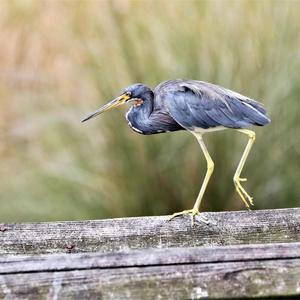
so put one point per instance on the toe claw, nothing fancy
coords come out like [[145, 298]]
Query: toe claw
[[242, 192]]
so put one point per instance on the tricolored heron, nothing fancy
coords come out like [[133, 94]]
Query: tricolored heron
[[198, 107]]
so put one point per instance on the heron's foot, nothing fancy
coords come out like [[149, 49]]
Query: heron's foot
[[243, 179], [246, 198], [193, 212]]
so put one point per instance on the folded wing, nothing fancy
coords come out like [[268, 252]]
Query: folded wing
[[200, 104]]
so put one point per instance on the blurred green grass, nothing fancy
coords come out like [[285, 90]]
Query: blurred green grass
[[62, 59]]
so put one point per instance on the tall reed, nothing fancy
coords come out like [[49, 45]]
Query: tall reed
[[62, 59]]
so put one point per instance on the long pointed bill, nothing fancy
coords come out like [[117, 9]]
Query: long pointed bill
[[112, 104]]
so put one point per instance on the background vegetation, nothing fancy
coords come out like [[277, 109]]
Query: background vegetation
[[61, 59]]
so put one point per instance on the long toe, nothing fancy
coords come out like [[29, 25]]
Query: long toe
[[204, 219], [251, 201], [192, 213], [246, 198], [237, 187], [177, 214], [243, 179]]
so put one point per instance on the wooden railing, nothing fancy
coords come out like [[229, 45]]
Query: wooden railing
[[237, 255]]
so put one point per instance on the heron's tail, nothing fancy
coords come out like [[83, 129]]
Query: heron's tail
[[256, 113]]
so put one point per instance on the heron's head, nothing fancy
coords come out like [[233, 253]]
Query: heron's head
[[136, 93]]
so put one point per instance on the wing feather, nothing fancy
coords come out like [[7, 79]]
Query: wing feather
[[199, 104]]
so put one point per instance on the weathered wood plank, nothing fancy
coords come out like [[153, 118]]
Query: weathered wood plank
[[245, 279], [13, 264], [225, 228], [150, 264]]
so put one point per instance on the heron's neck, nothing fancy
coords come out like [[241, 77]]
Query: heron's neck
[[138, 116]]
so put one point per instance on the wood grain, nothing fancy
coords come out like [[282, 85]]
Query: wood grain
[[226, 280], [237, 255], [13, 264], [111, 235]]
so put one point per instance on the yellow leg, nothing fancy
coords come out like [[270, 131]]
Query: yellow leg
[[210, 168], [236, 179]]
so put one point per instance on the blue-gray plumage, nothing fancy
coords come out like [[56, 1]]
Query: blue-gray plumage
[[188, 104], [196, 106]]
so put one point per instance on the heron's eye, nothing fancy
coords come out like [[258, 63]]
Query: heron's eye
[[128, 94]]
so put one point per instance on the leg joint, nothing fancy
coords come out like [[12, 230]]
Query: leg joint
[[252, 135], [235, 179], [210, 166]]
